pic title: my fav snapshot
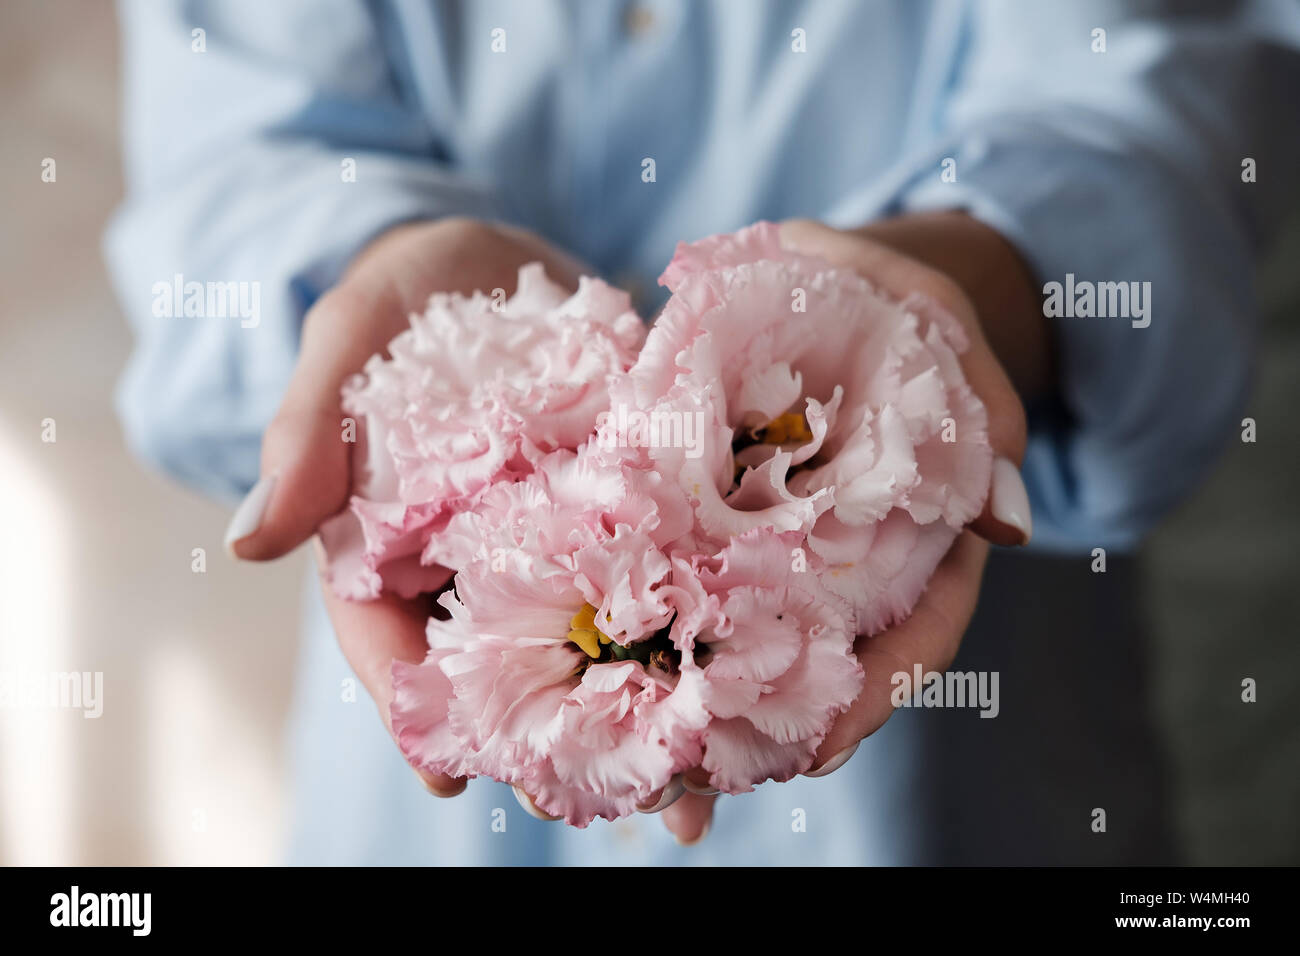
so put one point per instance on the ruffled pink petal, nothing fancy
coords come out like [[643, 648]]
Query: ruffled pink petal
[[819, 685], [374, 547], [608, 758], [756, 243], [421, 694], [621, 577], [886, 580], [763, 639], [577, 806], [508, 697], [725, 698], [780, 666], [738, 756]]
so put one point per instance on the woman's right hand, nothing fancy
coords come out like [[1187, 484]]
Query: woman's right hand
[[306, 465]]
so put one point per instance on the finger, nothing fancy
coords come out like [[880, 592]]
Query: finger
[[929, 637], [689, 818], [305, 460], [374, 634], [1007, 518]]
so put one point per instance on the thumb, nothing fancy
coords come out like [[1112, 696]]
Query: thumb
[[306, 463], [305, 478]]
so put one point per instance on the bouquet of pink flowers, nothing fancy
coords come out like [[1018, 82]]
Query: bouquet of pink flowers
[[662, 547]]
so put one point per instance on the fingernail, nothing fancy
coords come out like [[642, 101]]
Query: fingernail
[[456, 790], [533, 809], [699, 837], [248, 516], [704, 789], [667, 797], [1009, 500], [830, 766]]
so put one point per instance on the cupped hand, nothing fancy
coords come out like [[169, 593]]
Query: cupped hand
[[932, 634], [306, 465]]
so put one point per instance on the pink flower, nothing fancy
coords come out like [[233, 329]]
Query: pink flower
[[475, 392], [775, 649], [554, 671], [824, 407], [662, 560]]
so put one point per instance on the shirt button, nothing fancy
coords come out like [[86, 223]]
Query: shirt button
[[638, 20]]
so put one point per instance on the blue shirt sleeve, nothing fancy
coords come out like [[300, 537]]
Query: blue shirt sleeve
[[1124, 163], [244, 124]]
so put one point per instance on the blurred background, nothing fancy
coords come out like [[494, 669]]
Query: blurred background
[[186, 763]]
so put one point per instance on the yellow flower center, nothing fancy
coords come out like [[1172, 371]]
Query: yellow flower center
[[584, 632], [790, 427]]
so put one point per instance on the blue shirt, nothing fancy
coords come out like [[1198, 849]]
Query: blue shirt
[[1114, 156]]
